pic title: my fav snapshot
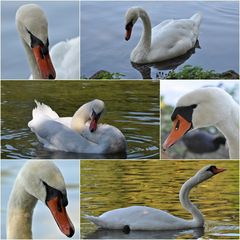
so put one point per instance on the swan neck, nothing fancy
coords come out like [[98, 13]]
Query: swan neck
[[145, 40], [20, 211], [79, 120], [230, 129], [187, 204], [32, 62]]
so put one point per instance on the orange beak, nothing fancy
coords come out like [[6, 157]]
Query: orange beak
[[128, 33], [93, 125], [218, 170], [180, 127], [60, 215], [44, 63]]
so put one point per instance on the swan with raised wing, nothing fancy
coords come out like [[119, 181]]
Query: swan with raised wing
[[32, 26], [210, 106], [37, 180], [167, 40], [147, 218], [80, 133]]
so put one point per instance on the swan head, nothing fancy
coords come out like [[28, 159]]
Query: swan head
[[44, 181], [32, 26], [88, 113], [207, 172], [96, 112], [200, 108], [131, 17]]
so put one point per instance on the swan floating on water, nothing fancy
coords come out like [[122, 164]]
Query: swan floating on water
[[80, 133], [37, 180], [210, 106], [32, 26], [147, 218], [167, 40]]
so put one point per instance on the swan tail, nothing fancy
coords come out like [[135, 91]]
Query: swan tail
[[197, 18], [96, 220], [43, 109]]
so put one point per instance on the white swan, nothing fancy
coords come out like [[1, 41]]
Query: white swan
[[37, 180], [32, 26], [79, 133], [167, 40], [146, 218], [204, 107]]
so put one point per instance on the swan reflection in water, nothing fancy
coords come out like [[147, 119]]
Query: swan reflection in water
[[119, 234], [168, 65], [43, 153]]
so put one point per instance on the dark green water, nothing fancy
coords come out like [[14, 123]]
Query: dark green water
[[131, 106], [115, 184]]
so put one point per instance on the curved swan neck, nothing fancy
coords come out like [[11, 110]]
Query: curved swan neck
[[32, 62], [230, 129], [187, 204], [79, 119], [146, 37], [20, 211]]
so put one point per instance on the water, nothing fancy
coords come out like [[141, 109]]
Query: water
[[63, 24], [102, 34], [130, 106], [44, 226], [115, 184]]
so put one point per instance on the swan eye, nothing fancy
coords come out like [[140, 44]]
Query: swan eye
[[129, 26], [211, 168], [95, 115], [37, 42], [177, 125], [52, 193]]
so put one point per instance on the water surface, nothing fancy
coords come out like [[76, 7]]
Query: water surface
[[102, 34], [44, 225], [131, 107], [115, 184]]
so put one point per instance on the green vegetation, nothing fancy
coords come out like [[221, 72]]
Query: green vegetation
[[191, 72], [102, 74]]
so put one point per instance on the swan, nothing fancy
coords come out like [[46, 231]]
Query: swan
[[37, 180], [167, 40], [210, 106], [32, 26], [80, 133], [147, 218]]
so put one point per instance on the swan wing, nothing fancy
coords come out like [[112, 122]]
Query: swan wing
[[65, 57], [173, 38], [138, 218], [56, 136]]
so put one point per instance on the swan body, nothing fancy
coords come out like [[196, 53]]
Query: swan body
[[65, 57], [32, 26], [80, 133], [204, 107], [147, 218], [37, 180], [167, 40]]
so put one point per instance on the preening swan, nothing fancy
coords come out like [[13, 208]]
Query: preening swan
[[32, 26], [37, 180], [167, 40], [205, 107], [147, 218], [80, 133]]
